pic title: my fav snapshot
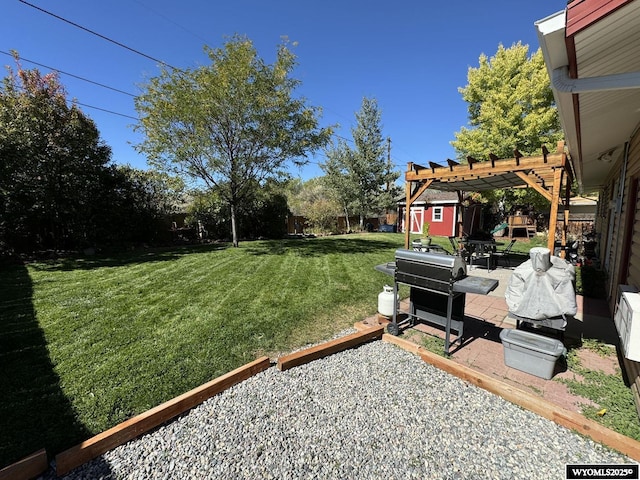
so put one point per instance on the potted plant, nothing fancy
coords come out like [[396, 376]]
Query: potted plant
[[426, 239]]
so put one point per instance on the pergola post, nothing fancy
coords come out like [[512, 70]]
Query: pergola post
[[459, 215], [553, 214], [407, 215], [567, 207]]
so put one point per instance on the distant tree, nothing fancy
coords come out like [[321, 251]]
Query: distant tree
[[134, 206], [360, 175], [51, 157], [318, 204], [264, 214], [292, 190], [337, 177], [209, 208], [229, 124], [510, 106], [261, 215]]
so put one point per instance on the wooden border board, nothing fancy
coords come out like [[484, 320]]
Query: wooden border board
[[27, 468], [329, 348], [136, 426], [548, 410]]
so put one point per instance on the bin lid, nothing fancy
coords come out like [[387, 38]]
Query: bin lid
[[533, 341]]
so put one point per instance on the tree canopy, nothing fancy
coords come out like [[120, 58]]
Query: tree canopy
[[229, 124], [362, 176], [510, 106], [59, 190], [50, 158]]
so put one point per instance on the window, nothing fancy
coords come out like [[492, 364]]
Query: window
[[436, 214]]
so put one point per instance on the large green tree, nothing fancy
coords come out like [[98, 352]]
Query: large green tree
[[510, 106], [362, 176], [229, 124], [51, 156]]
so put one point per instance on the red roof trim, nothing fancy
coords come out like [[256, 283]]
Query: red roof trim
[[584, 13]]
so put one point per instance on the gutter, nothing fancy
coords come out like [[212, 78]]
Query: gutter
[[562, 82]]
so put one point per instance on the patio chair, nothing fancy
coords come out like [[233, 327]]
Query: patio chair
[[504, 253], [461, 249], [454, 243]]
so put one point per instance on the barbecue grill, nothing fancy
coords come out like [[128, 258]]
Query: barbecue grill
[[438, 287]]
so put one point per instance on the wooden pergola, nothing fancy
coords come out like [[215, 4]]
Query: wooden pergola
[[549, 174]]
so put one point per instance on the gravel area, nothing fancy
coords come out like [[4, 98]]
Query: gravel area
[[371, 412]]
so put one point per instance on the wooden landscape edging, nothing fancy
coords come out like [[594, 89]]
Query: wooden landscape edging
[[136, 426], [27, 468], [555, 413], [328, 348]]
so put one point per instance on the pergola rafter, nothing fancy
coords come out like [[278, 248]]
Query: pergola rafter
[[548, 174]]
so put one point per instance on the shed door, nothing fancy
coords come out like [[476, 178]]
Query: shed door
[[417, 219]]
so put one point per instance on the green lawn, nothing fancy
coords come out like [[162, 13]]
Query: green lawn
[[86, 344]]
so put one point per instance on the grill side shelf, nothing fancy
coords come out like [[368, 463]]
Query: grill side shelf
[[479, 285]]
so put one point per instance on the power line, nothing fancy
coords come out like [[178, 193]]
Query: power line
[[70, 74], [125, 47], [171, 21], [98, 35], [107, 111]]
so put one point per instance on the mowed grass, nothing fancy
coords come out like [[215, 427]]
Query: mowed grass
[[88, 343]]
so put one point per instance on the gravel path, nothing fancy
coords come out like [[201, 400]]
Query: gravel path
[[372, 412]]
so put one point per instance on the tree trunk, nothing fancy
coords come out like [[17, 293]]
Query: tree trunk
[[234, 233], [346, 220]]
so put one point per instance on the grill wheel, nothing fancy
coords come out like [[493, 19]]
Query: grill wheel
[[393, 329]]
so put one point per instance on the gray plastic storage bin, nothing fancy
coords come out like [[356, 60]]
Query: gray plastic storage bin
[[530, 352]]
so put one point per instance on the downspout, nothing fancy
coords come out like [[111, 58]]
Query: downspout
[[562, 82]]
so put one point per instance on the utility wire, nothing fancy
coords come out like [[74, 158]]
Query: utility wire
[[107, 111], [172, 21], [98, 35], [70, 74], [120, 45]]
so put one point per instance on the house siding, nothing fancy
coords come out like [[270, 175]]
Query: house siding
[[585, 13], [632, 176], [624, 225]]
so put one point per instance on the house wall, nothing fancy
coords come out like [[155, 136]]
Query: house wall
[[618, 220], [630, 273]]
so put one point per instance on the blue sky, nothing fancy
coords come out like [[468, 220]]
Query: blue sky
[[411, 56]]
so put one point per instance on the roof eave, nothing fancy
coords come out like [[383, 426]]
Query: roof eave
[[551, 38]]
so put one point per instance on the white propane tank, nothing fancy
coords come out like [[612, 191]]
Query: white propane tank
[[385, 301]]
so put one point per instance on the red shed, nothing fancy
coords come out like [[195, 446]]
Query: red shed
[[440, 209]]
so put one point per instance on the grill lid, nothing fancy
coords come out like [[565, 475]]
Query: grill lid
[[429, 258], [429, 270]]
